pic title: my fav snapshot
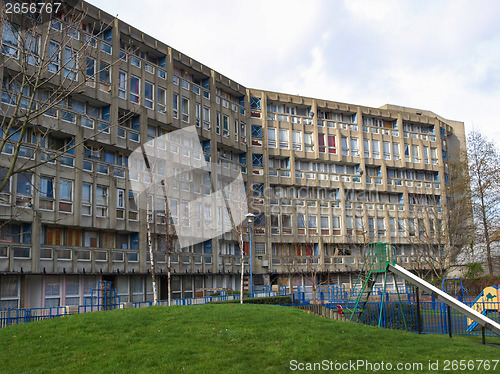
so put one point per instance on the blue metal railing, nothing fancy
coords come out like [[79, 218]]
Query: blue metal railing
[[403, 316], [16, 316], [105, 298]]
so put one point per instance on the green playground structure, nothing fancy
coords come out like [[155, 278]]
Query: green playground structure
[[378, 257]]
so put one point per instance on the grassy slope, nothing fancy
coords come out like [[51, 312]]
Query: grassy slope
[[213, 339]]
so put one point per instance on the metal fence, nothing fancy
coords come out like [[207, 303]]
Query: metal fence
[[434, 317], [104, 298], [321, 293], [10, 317]]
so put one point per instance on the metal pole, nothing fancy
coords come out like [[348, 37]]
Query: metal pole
[[382, 299], [449, 321], [419, 325], [251, 261]]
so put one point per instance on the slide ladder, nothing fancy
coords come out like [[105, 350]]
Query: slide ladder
[[378, 256]]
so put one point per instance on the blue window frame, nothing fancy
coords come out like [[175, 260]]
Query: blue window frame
[[134, 240], [257, 159], [208, 247], [256, 131], [258, 189], [260, 220], [206, 146], [255, 103]]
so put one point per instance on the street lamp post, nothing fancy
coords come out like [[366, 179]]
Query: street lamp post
[[250, 218]]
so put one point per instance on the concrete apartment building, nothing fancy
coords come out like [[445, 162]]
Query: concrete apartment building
[[324, 178]]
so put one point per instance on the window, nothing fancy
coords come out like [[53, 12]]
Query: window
[[283, 139], [217, 123], [10, 40], [434, 158], [149, 95], [411, 226], [135, 89], [271, 137], [258, 189], [47, 187], [392, 225], [336, 225], [297, 140], [236, 128], [90, 71], [366, 148], [122, 84], [175, 106], [24, 189], [31, 48], [415, 152], [348, 224], [301, 221], [86, 199], [54, 57], [345, 146], [332, 148], [101, 200], [255, 103], [325, 222], [256, 131], [105, 47], [426, 155], [375, 148], [46, 193], [162, 100], [185, 109], [401, 227], [380, 227], [354, 147], [65, 196], [395, 151], [70, 64], [386, 148], [120, 204], [260, 248], [206, 118], [243, 132], [104, 73], [133, 198], [225, 126], [308, 141], [198, 114], [257, 159]]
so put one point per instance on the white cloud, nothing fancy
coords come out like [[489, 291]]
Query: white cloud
[[443, 56]]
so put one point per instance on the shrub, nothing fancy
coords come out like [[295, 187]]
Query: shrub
[[273, 300]]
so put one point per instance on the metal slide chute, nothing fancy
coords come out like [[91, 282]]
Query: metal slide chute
[[477, 317]]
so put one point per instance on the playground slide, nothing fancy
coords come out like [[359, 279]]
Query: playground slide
[[488, 300], [445, 298]]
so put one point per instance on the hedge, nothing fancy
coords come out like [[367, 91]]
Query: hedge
[[273, 300]]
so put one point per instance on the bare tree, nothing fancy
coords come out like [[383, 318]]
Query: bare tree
[[46, 60], [484, 169]]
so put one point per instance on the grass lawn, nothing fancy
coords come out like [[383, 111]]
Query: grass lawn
[[223, 338]]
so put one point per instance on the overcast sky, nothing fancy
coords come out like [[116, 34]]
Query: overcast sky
[[442, 56]]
